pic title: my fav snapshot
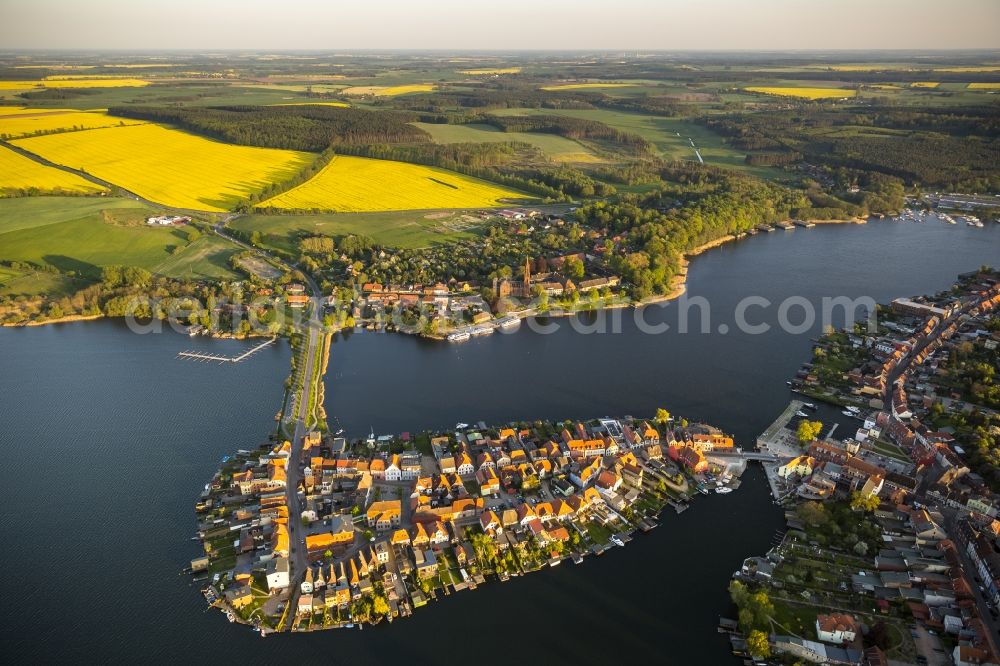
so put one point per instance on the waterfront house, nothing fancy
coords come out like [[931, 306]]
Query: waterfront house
[[800, 466], [239, 596], [692, 459], [427, 565]]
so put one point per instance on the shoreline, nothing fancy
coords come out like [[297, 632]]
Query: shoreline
[[678, 288], [591, 521], [61, 320]]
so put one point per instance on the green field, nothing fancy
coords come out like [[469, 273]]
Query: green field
[[28, 212], [555, 147], [405, 229], [15, 282], [71, 235], [669, 135]]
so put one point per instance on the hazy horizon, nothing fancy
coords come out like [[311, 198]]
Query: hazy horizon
[[518, 25]]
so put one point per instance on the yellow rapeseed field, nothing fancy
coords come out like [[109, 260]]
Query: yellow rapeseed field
[[73, 83], [969, 70], [341, 104], [389, 91], [357, 184], [169, 166], [984, 86], [499, 70], [876, 67], [20, 172], [578, 86], [925, 84], [26, 122], [808, 93]]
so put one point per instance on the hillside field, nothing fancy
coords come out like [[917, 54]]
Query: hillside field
[[806, 92], [80, 234], [25, 122], [403, 229], [74, 83], [168, 166], [358, 184], [389, 91], [18, 172], [669, 135]]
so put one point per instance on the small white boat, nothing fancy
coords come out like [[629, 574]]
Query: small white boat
[[724, 491], [460, 336], [847, 413], [618, 542], [801, 414]]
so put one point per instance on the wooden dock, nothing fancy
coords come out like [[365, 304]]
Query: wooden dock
[[219, 358]]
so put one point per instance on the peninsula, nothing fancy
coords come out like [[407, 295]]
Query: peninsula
[[889, 552]]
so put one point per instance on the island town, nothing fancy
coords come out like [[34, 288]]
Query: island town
[[388, 523], [892, 547]]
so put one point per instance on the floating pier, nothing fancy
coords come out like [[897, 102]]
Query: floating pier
[[219, 358]]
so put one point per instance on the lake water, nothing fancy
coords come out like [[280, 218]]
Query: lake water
[[109, 439]]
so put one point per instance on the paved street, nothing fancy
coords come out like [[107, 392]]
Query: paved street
[[297, 413]]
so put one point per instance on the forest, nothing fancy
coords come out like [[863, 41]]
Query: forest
[[939, 148], [309, 128]]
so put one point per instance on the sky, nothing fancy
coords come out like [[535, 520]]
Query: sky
[[500, 25]]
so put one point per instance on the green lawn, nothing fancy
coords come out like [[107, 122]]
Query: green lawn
[[556, 147], [71, 235], [598, 533], [406, 229]]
